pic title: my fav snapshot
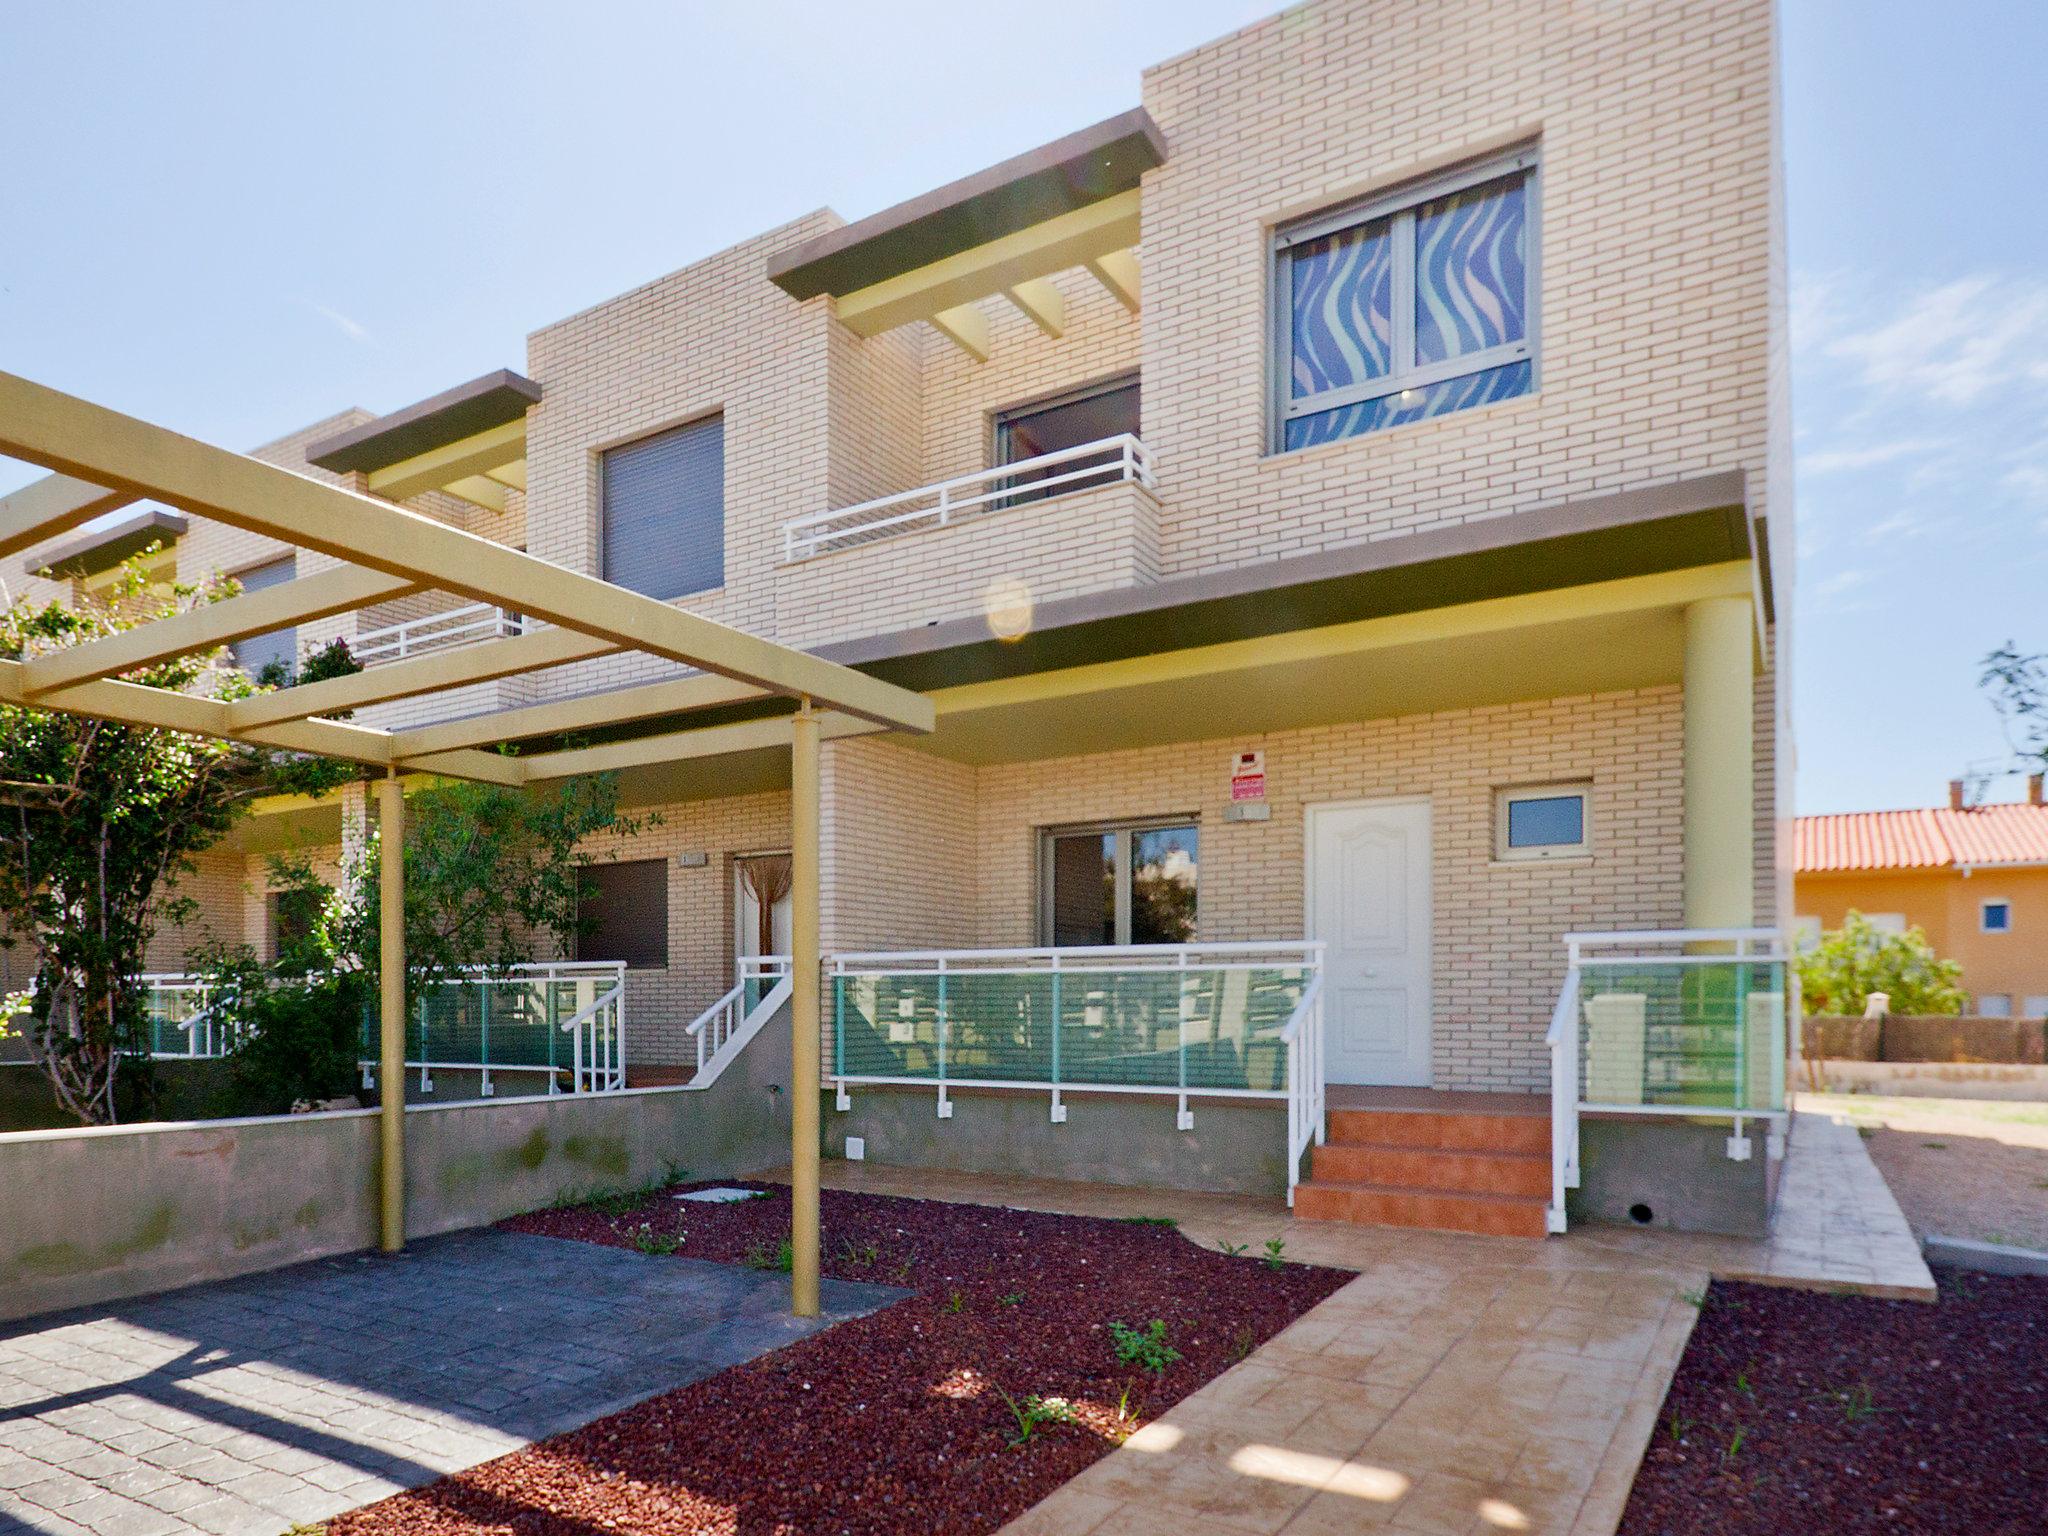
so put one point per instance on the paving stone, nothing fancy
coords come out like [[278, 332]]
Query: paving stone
[[239, 1408]]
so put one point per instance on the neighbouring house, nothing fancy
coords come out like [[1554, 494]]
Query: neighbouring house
[[1341, 510], [1973, 878]]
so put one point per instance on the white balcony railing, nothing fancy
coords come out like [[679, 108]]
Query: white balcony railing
[[436, 632], [723, 1030], [1229, 1021], [1686, 1022], [1110, 461]]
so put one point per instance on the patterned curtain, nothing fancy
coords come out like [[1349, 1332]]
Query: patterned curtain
[[767, 878]]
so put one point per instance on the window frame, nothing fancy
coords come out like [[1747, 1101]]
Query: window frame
[[1984, 914], [998, 454], [602, 453], [1398, 204], [1503, 798], [1121, 828]]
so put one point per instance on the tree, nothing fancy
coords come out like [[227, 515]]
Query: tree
[[1839, 974], [101, 819], [2018, 684], [490, 874]]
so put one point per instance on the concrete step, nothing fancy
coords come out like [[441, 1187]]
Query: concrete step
[[1434, 1169], [1458, 1131], [1382, 1205]]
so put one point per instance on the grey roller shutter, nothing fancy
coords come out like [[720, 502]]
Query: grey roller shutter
[[623, 909], [664, 511], [280, 645]]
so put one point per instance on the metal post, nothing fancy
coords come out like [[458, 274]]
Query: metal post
[[391, 979], [805, 1079]]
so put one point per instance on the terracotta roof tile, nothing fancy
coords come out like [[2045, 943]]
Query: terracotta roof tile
[[1928, 839]]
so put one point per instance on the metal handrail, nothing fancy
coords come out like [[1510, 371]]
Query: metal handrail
[[1303, 1037], [816, 533], [447, 630], [722, 1029], [1563, 1043]]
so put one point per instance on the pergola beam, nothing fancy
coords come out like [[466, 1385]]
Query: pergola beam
[[618, 707], [456, 667], [1040, 303], [681, 746], [76, 437], [338, 589], [48, 507], [1117, 271]]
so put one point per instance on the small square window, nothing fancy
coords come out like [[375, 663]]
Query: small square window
[[1545, 822], [1997, 916], [1995, 1005]]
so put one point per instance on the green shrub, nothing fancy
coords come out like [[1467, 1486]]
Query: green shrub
[[295, 1040]]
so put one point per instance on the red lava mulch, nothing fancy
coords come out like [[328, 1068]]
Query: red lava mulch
[[1794, 1413], [889, 1423]]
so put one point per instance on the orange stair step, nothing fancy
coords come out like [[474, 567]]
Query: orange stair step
[[1392, 1206], [1434, 1169]]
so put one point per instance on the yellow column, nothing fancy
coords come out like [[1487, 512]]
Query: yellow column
[[391, 981], [804, 968], [1720, 756]]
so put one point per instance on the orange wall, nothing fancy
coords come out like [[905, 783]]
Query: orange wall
[[1946, 905]]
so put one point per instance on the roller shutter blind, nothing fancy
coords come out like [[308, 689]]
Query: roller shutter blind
[[280, 645], [664, 511], [623, 912]]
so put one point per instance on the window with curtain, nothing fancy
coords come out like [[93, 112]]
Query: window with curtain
[[764, 882], [281, 646], [664, 511], [1120, 883], [1408, 305], [622, 910]]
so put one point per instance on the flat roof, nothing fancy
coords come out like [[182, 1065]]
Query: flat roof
[[449, 417], [1084, 167], [104, 548]]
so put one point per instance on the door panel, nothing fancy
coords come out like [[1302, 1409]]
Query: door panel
[[1369, 902]]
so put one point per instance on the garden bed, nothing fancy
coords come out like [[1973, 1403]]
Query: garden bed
[[1794, 1413], [898, 1421]]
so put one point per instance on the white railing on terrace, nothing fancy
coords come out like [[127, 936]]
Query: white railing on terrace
[[723, 1030], [1687, 1022], [1228, 1021], [181, 1025], [1107, 462], [436, 632]]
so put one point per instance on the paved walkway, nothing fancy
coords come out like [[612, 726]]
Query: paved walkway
[[1460, 1384], [246, 1406]]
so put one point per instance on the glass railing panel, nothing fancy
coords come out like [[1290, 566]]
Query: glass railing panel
[[1674, 1033]]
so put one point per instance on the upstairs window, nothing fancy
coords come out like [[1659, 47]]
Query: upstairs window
[[1071, 420], [1996, 916], [1408, 305], [664, 511], [277, 651]]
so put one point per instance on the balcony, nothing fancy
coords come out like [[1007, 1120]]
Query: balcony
[[992, 543], [445, 631]]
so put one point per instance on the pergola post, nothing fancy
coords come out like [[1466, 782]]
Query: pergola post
[[804, 966], [391, 989]]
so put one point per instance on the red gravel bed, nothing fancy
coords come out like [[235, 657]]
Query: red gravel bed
[[888, 1423], [1855, 1416]]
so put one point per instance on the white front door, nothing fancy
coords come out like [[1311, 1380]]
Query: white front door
[[1368, 901]]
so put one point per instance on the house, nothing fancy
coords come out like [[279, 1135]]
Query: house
[[1973, 878], [1340, 511]]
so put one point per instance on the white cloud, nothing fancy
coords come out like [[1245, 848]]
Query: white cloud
[[353, 330], [1841, 583], [1956, 343], [1828, 461]]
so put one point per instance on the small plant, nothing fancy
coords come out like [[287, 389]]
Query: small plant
[[1123, 1405], [1275, 1249], [762, 1194], [1167, 1222], [1236, 1250], [647, 1240], [1678, 1426], [758, 1256], [1857, 1403], [1744, 1385], [955, 1302], [1242, 1343], [1033, 1412], [858, 1256], [1696, 1298], [1010, 1300], [1148, 1351], [1935, 1146], [1735, 1442]]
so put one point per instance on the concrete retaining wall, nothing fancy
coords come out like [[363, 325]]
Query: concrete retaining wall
[[1237, 1146], [91, 1215], [1935, 1079], [1673, 1173]]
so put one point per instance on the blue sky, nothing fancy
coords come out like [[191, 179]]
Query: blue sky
[[239, 218]]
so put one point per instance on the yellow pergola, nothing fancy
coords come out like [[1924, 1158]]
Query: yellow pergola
[[102, 460]]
